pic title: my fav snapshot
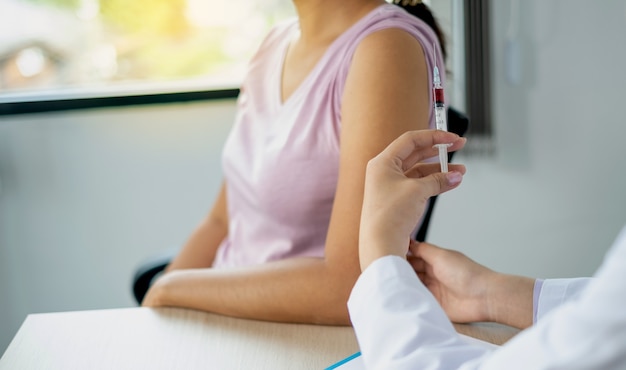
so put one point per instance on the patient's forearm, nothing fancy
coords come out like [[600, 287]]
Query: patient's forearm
[[295, 290]]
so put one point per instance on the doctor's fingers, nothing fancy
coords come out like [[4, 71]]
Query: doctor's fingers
[[429, 281], [420, 155], [429, 253], [406, 146], [425, 169], [418, 264], [436, 183]]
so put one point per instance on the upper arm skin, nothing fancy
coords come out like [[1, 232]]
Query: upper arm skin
[[386, 94]]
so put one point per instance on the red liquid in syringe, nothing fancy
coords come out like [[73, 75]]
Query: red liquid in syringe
[[438, 94]]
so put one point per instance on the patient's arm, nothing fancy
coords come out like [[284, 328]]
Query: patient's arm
[[378, 105]]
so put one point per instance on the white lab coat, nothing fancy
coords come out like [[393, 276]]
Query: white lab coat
[[399, 324]]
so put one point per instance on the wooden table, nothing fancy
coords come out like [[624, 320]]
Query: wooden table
[[488, 331], [171, 338]]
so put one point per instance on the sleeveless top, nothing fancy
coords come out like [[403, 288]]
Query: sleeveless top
[[281, 159]]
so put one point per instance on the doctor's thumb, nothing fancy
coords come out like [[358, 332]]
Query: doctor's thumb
[[439, 182]]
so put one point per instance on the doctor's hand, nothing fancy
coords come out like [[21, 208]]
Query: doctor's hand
[[470, 292], [397, 187]]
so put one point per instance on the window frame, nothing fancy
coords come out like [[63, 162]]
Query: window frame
[[475, 97], [58, 100]]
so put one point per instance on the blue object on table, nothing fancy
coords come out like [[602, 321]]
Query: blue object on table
[[349, 358]]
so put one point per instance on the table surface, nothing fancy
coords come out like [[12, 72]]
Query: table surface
[[173, 338]]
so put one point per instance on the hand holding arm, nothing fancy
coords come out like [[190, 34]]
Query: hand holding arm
[[470, 292], [388, 300], [397, 187]]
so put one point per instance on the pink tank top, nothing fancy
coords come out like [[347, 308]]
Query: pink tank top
[[281, 159]]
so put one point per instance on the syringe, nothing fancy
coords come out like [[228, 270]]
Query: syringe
[[440, 115]]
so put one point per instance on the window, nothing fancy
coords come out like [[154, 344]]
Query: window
[[68, 54], [52, 46]]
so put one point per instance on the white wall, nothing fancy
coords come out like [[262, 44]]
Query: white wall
[[553, 198], [86, 195]]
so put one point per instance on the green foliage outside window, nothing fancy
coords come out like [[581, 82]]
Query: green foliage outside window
[[112, 41]]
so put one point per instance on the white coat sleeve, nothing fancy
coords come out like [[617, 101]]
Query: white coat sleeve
[[587, 332], [555, 292], [399, 324]]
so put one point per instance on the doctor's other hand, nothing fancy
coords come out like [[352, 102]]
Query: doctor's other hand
[[398, 185], [471, 292]]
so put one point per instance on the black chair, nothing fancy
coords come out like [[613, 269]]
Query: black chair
[[149, 269]]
